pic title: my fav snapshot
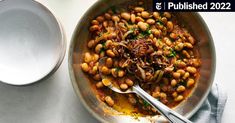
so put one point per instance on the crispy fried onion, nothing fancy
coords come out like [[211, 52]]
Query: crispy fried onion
[[139, 59]]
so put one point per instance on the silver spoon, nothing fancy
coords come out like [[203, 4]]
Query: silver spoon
[[171, 115]]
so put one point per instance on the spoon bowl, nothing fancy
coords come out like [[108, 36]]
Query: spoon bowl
[[169, 114]]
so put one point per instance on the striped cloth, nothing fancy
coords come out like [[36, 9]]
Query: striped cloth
[[212, 109]]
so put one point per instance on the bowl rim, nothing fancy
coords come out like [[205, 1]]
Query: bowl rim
[[77, 90]]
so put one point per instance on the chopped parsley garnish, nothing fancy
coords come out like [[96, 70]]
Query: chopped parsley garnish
[[117, 69], [144, 34], [100, 34], [159, 22], [145, 103], [182, 82], [102, 50], [173, 53], [103, 44]]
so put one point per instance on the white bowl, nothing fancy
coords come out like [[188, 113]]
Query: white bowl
[[32, 44]]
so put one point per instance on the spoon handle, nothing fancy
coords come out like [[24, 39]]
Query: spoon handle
[[171, 115]]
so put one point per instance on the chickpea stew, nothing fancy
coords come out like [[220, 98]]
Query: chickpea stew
[[150, 48]]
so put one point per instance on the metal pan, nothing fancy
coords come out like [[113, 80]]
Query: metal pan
[[83, 89]]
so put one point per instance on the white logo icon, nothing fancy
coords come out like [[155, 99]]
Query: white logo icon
[[158, 6]]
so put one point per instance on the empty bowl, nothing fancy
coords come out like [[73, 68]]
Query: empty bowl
[[32, 43]]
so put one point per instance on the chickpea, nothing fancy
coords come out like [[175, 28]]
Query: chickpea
[[167, 41], [190, 82], [112, 35], [95, 22], [196, 62], [186, 54], [163, 95], [105, 23], [151, 36], [143, 26], [121, 73], [181, 71], [126, 16], [150, 21], [170, 26], [115, 18], [186, 75], [114, 72], [105, 70], [108, 16], [129, 82], [156, 94], [176, 75], [180, 88], [85, 67], [106, 82], [123, 86], [174, 94], [95, 58], [94, 70], [179, 46], [109, 101], [99, 85], [87, 57], [191, 70], [156, 32], [109, 62], [133, 18], [173, 35], [164, 31], [97, 77], [91, 44], [167, 14], [188, 45], [191, 39], [156, 15], [179, 98], [164, 20], [173, 82], [110, 53], [108, 44], [161, 27], [139, 9], [98, 48], [139, 19], [94, 28], [180, 64], [97, 64], [100, 19], [145, 14]]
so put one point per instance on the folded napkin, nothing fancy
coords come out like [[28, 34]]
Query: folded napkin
[[212, 109]]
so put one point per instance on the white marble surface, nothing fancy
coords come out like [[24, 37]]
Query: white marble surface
[[54, 101]]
